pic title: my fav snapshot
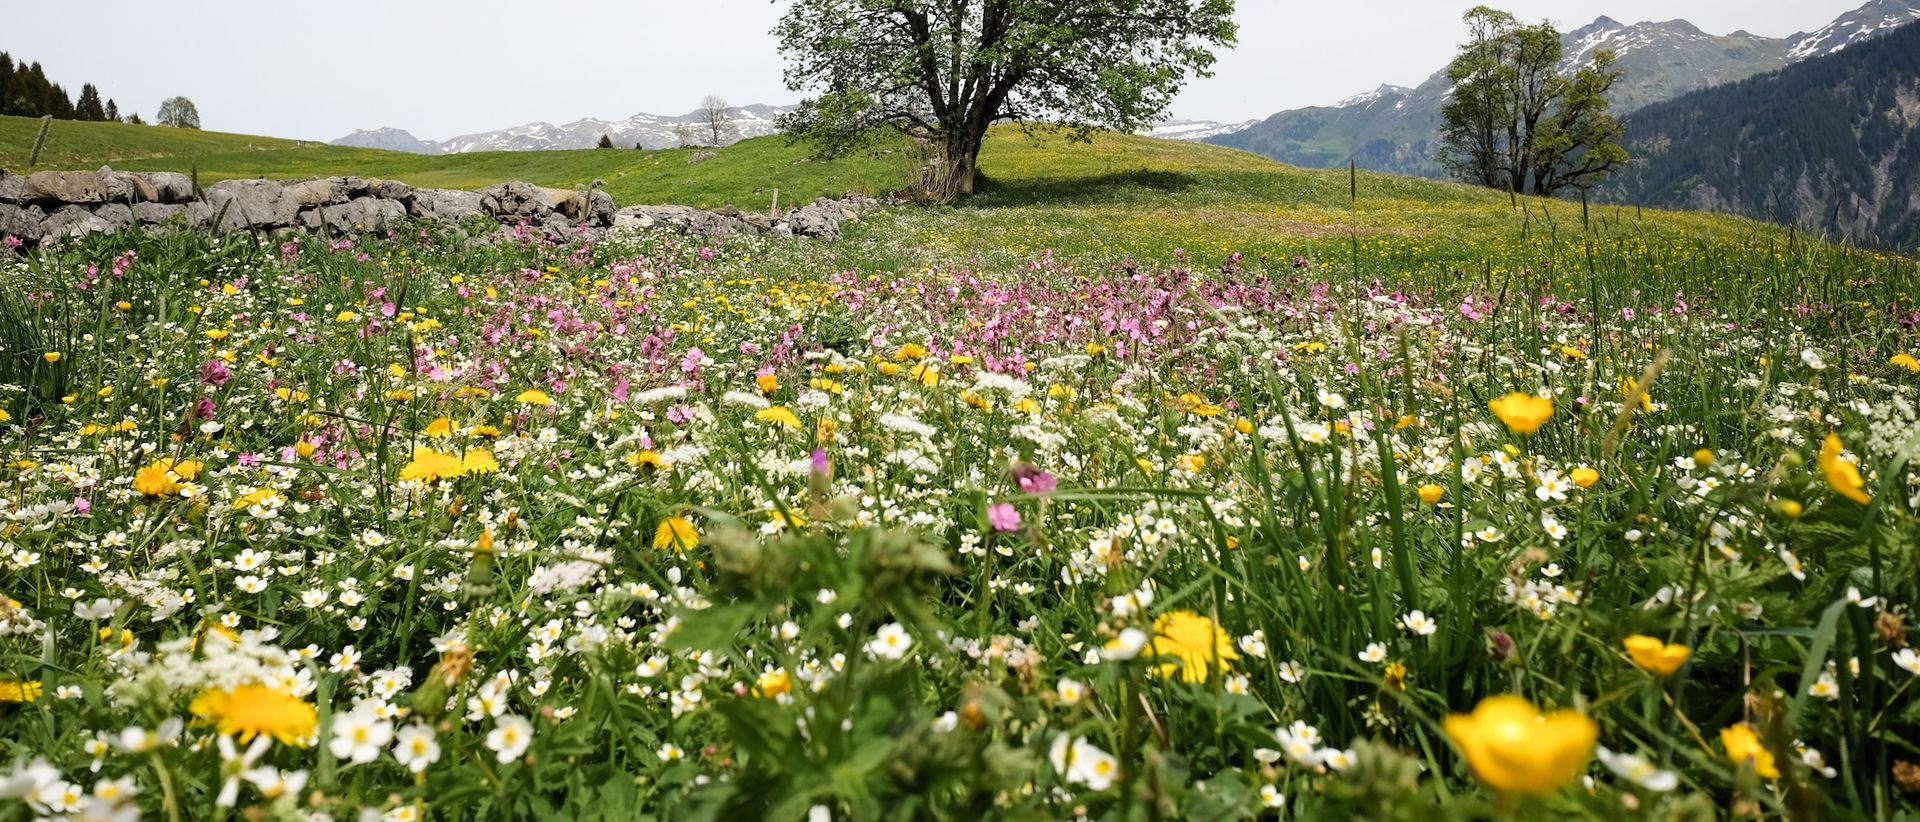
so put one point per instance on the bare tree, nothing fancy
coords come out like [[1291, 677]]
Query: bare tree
[[714, 119]]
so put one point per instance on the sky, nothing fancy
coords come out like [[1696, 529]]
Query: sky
[[440, 69]]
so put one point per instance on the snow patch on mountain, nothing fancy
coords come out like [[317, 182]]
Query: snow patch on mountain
[[1195, 129], [643, 129]]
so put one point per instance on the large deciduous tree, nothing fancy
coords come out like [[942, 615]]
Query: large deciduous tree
[[943, 71], [178, 112], [1518, 119]]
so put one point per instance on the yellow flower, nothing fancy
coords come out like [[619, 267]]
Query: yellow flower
[[1514, 748], [648, 458], [483, 430], [925, 374], [1584, 477], [263, 495], [4, 416], [778, 415], [768, 383], [429, 465], [251, 710], [439, 428], [910, 351], [478, 461], [305, 449], [1905, 360], [51, 356], [676, 533], [533, 396], [1703, 457], [1431, 493], [1395, 678], [1655, 657], [162, 478], [1628, 386], [1744, 748], [14, 690], [1522, 412], [1841, 473], [1200, 645]]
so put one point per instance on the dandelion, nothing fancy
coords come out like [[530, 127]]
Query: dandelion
[[1514, 748], [253, 710], [429, 465], [676, 533], [533, 396], [15, 690], [1200, 645], [778, 415]]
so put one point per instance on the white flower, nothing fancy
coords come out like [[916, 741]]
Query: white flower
[[234, 763], [358, 737], [96, 610], [1070, 691], [1826, 687], [1375, 652], [1292, 671], [1077, 761], [670, 752], [1254, 645], [1906, 658], [1815, 761], [1812, 359], [1125, 646], [1301, 743], [1331, 399], [1419, 623], [415, 748], [1271, 797], [1853, 596], [509, 738], [891, 642], [1636, 769]]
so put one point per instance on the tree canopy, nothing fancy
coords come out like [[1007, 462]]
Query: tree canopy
[[1518, 119], [943, 71], [178, 112]]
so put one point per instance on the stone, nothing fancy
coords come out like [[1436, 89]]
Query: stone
[[600, 207], [815, 220], [362, 214], [199, 215], [446, 205], [169, 186], [514, 199], [242, 204], [68, 187], [13, 188], [70, 221], [117, 216], [315, 192], [20, 222], [653, 216], [158, 213], [391, 190]]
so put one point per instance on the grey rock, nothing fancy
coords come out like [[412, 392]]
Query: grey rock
[[70, 221], [601, 207], [362, 214], [117, 216], [514, 199], [653, 216], [815, 220], [13, 188], [200, 215], [446, 205], [316, 192], [79, 187], [157, 213], [573, 204], [20, 222], [251, 204], [782, 230], [391, 190], [169, 186]]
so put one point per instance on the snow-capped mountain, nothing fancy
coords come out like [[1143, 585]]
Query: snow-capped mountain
[[645, 130], [1195, 129], [1657, 61], [1868, 21]]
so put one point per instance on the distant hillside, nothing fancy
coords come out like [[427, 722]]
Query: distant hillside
[[1396, 129], [1831, 144]]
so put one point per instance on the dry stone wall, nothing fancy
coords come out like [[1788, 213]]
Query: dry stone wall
[[47, 207]]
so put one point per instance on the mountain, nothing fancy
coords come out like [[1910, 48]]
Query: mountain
[[646, 130], [391, 139], [1194, 129], [1830, 144], [1657, 61]]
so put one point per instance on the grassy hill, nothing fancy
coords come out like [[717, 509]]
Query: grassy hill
[[1118, 197]]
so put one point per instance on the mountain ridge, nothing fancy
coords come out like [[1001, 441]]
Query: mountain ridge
[[643, 129]]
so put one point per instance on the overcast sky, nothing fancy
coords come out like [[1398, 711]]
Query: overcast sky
[[439, 69]]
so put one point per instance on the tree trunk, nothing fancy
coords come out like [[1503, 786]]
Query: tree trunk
[[963, 161]]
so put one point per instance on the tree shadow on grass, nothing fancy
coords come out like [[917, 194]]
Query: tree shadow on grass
[[1124, 186]]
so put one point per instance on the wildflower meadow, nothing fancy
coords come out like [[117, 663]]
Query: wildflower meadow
[[402, 527]]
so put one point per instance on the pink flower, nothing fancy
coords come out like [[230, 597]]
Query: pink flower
[[1003, 517]]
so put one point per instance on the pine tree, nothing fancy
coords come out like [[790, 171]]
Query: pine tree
[[6, 83], [112, 111], [59, 103], [89, 107], [606, 141]]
